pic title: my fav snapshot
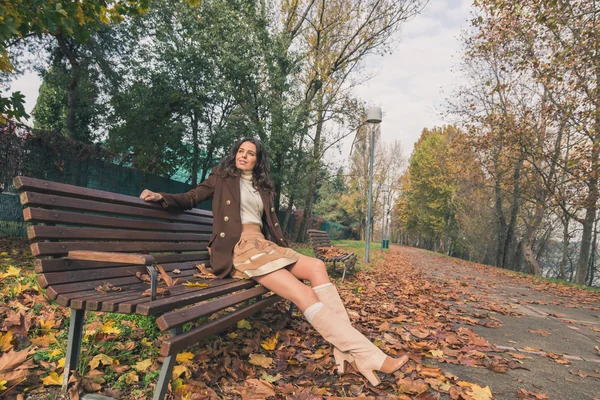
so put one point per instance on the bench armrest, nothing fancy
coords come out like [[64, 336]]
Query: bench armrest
[[127, 258]]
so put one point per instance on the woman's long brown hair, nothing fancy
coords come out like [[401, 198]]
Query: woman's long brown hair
[[260, 174]]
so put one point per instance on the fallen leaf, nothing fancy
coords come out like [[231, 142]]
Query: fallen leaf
[[131, 377], [5, 341], [204, 272], [110, 328], [185, 358], [108, 287], [243, 324], [477, 392], [531, 349], [525, 394], [195, 284], [11, 271], [53, 379], [178, 370], [143, 365], [437, 353], [540, 332], [176, 271], [270, 343], [260, 360], [519, 356], [162, 292], [101, 359], [256, 389], [2, 384]]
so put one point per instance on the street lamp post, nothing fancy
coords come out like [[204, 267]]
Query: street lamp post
[[384, 194], [373, 117]]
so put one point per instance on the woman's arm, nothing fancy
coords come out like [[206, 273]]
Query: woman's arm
[[184, 201]]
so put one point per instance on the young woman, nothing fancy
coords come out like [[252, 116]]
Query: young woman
[[247, 242]]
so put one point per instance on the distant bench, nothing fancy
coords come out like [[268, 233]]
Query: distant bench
[[326, 252], [94, 247]]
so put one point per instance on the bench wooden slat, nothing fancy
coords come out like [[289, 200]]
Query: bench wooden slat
[[178, 343], [169, 303], [59, 278], [180, 317], [71, 218], [51, 201], [57, 248], [69, 233], [22, 183], [66, 264], [127, 258], [95, 301]]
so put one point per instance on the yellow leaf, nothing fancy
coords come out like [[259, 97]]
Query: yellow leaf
[[185, 358], [437, 353], [178, 370], [101, 359], [61, 363], [131, 377], [2, 384], [11, 271], [147, 342], [46, 325], [243, 324], [477, 392], [195, 284], [260, 360], [53, 379], [5, 341], [270, 343], [232, 335], [109, 328], [43, 341], [55, 352], [142, 366]]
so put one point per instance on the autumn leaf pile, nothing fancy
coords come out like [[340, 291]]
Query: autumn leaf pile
[[267, 356]]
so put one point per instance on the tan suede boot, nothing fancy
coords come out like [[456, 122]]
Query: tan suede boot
[[328, 295], [367, 357]]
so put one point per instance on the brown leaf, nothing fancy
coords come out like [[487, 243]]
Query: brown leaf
[[162, 292], [168, 280], [143, 277], [107, 287], [540, 332], [407, 385], [525, 394], [256, 389], [204, 272], [14, 365]]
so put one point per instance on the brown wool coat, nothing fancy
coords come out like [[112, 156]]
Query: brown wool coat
[[227, 224]]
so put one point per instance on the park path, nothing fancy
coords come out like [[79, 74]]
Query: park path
[[553, 330]]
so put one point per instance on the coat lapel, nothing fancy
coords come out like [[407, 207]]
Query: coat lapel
[[233, 182]]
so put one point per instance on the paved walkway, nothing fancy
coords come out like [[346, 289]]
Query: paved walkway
[[547, 322]]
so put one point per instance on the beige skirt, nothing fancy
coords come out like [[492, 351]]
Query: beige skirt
[[253, 255]]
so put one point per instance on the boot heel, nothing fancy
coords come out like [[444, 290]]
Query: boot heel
[[371, 376], [341, 359]]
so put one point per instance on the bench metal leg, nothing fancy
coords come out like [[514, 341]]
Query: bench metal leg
[[291, 310], [344, 273], [73, 345], [166, 371]]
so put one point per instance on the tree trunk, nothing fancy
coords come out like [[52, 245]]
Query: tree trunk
[[195, 150], [314, 175], [509, 245], [72, 93], [590, 216], [565, 249], [527, 243]]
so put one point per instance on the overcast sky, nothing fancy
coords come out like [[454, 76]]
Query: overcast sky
[[409, 85]]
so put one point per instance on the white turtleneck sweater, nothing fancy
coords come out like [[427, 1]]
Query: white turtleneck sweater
[[251, 203]]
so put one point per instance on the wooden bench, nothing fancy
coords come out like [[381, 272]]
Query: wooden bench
[[85, 238], [320, 242]]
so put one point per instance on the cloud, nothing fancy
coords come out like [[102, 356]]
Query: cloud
[[408, 83]]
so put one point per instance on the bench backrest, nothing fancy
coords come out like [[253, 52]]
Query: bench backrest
[[68, 218], [318, 238]]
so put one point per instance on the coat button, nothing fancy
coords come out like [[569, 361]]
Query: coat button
[[228, 202], [222, 234], [272, 209], [276, 224], [226, 219]]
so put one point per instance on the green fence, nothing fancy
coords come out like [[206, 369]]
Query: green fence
[[50, 156]]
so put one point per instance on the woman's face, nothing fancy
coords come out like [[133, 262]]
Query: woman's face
[[245, 158]]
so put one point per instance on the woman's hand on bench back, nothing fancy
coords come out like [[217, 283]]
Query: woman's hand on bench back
[[149, 195]]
